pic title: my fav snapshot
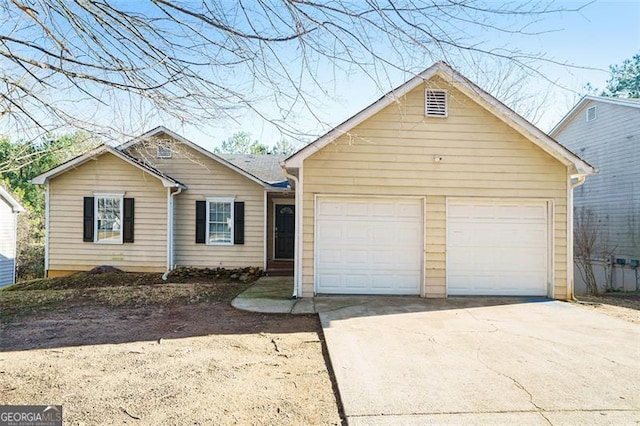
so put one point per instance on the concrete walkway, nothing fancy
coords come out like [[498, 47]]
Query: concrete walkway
[[272, 295]]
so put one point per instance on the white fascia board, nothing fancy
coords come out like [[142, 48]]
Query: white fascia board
[[16, 207], [161, 129]]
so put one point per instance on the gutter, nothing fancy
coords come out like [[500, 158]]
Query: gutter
[[579, 181], [170, 204], [297, 259]]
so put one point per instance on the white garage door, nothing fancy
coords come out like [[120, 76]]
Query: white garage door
[[369, 246], [497, 248]]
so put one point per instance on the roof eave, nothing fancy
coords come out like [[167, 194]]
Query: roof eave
[[16, 207]]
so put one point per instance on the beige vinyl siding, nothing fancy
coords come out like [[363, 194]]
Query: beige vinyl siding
[[204, 178], [107, 174], [392, 152]]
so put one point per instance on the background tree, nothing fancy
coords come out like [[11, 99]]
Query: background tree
[[201, 61], [21, 161], [284, 147], [241, 143], [624, 81]]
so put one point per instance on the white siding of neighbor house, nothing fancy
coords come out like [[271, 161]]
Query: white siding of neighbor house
[[106, 174], [205, 177], [7, 243], [392, 153], [611, 143]]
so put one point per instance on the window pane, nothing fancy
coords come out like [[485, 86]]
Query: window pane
[[109, 218], [220, 222]]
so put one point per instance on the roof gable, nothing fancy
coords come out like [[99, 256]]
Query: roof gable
[[569, 117], [217, 158], [468, 88], [166, 180]]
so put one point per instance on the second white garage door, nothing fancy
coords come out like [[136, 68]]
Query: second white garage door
[[497, 247], [369, 245]]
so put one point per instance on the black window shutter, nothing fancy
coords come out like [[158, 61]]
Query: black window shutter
[[87, 220], [201, 222], [127, 220], [238, 222]]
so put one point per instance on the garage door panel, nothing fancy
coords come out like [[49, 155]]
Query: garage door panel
[[408, 282], [377, 250], [497, 248]]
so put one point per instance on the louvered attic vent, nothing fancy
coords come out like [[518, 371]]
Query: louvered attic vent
[[591, 113], [436, 103]]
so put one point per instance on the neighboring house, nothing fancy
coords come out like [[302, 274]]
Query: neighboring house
[[606, 132], [436, 189], [9, 209]]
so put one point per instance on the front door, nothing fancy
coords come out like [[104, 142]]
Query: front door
[[285, 231]]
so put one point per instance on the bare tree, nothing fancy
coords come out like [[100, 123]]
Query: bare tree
[[589, 246], [65, 62]]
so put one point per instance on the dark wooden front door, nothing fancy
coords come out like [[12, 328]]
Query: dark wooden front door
[[285, 231]]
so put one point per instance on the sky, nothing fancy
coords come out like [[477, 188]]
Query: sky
[[601, 34], [587, 42]]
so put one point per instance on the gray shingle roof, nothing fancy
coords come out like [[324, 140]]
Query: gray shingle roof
[[265, 167]]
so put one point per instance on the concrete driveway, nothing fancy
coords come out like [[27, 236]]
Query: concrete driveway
[[481, 361]]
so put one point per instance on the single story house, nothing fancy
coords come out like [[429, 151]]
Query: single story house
[[435, 189], [606, 131], [9, 209]]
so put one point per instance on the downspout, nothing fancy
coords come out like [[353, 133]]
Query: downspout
[[297, 260], [170, 247], [570, 261]]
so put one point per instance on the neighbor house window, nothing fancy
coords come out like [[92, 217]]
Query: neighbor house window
[[220, 221], [108, 218], [164, 151]]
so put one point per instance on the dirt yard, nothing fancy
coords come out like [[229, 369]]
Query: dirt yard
[[177, 362], [621, 305]]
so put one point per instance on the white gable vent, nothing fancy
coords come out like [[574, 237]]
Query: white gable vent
[[591, 113], [436, 103]]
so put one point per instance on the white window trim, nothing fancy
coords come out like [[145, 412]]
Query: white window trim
[[595, 113], [95, 216], [446, 103], [230, 200], [166, 147]]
